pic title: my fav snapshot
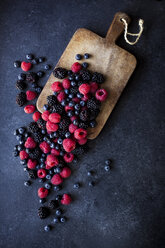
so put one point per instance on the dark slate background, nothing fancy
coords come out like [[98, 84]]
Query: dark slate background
[[125, 209]]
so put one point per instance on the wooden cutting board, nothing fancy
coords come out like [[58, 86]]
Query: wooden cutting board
[[106, 57]]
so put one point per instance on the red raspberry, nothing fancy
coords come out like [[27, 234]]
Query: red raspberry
[[31, 164], [80, 133], [29, 109], [76, 67], [36, 116], [23, 155], [61, 96], [41, 173], [67, 108], [56, 179], [42, 192], [85, 97], [68, 157], [82, 141], [30, 95], [72, 128], [52, 127], [101, 95], [45, 115], [55, 152], [25, 66], [94, 87], [66, 172], [44, 146], [55, 117], [69, 145], [84, 89], [76, 99], [52, 160], [73, 118], [56, 86], [66, 83], [66, 199], [30, 143]]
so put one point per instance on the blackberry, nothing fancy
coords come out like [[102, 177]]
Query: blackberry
[[35, 153], [32, 174], [38, 137], [33, 127], [98, 78], [86, 75], [93, 104], [20, 85], [51, 100], [83, 125], [74, 90], [84, 115], [61, 133], [31, 77], [57, 109], [79, 150], [41, 124], [64, 124], [94, 114], [60, 72], [43, 212], [53, 204], [21, 99]]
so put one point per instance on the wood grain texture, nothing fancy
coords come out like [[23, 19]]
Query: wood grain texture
[[107, 58]]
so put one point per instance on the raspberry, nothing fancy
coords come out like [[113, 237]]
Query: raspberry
[[56, 86], [69, 145], [82, 141], [66, 199], [101, 95], [45, 115], [60, 72], [66, 83], [30, 95], [36, 116], [23, 155], [52, 127], [61, 96], [44, 146], [68, 157], [66, 172], [56, 179], [84, 89], [67, 108], [76, 67], [55, 117], [80, 133], [41, 173], [29, 109], [25, 66], [31, 164], [42, 192], [73, 118], [72, 128], [52, 160], [94, 87], [30, 143], [55, 152]]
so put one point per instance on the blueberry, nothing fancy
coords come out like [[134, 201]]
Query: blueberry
[[77, 106], [91, 184], [21, 142], [20, 147], [55, 93], [70, 72], [68, 134], [47, 228], [27, 183], [42, 165], [48, 177], [66, 91], [93, 124], [63, 219], [52, 145], [79, 95], [78, 56], [63, 103], [47, 67], [58, 170], [70, 96], [51, 172], [107, 168], [16, 132], [82, 103], [38, 89], [17, 64], [59, 141], [85, 65], [56, 220], [57, 147], [29, 56], [37, 167], [43, 155], [43, 200], [51, 135], [19, 137], [41, 59], [108, 161], [70, 113], [47, 185], [58, 197], [62, 153], [75, 160], [90, 173], [57, 188], [27, 150], [21, 76], [34, 85], [21, 130], [35, 61], [15, 153], [73, 83], [23, 162], [45, 107], [26, 135], [71, 77], [41, 180], [55, 134], [75, 122], [43, 131], [40, 74], [25, 169], [76, 186], [71, 104], [86, 56], [77, 77], [16, 148], [58, 212], [77, 112]]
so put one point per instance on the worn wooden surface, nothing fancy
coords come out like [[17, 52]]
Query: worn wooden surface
[[107, 58]]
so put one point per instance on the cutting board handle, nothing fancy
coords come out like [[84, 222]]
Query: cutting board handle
[[117, 27]]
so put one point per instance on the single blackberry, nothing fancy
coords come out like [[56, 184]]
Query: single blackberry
[[31, 77], [32, 174], [74, 90], [61, 133], [86, 75], [84, 115], [64, 124], [60, 72], [98, 78], [53, 204], [20, 85], [79, 150], [57, 109], [33, 127], [51, 100], [83, 125], [93, 104], [41, 124], [35, 153], [43, 212], [38, 137], [21, 99]]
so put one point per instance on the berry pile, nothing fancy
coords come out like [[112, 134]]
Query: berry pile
[[57, 137]]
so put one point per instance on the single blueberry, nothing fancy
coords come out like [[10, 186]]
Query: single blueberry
[[21, 142], [71, 104], [66, 91], [15, 153], [62, 153], [17, 64], [34, 85], [16, 148], [63, 219], [48, 177], [77, 77], [108, 161], [43, 131], [86, 56], [77, 106], [75, 122], [56, 220], [43, 155], [76, 186], [55, 93], [85, 65], [70, 113], [68, 134], [22, 76], [91, 184], [26, 135], [41, 59], [58, 170], [57, 147], [23, 162], [25, 169], [20, 147], [107, 168], [90, 173], [35, 61], [57, 188], [77, 112], [21, 130], [58, 197], [42, 201], [93, 124], [47, 228], [27, 183], [63, 103], [52, 145], [70, 72], [70, 96], [19, 137], [40, 74], [78, 57], [48, 185], [55, 134], [59, 141], [82, 103], [79, 95], [29, 56], [47, 67], [58, 212], [16, 132], [38, 89], [73, 83], [71, 77], [46, 107]]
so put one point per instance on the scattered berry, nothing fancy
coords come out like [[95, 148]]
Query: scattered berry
[[43, 212], [84, 89], [85, 65], [91, 184], [36, 116], [56, 179], [66, 199], [45, 147], [66, 172], [41, 173], [30, 143], [80, 133], [63, 219], [27, 183], [78, 57], [47, 67], [29, 109], [47, 228], [17, 64], [23, 155], [31, 164], [30, 95], [107, 168], [41, 59], [86, 56], [60, 72], [108, 161], [42, 192], [26, 66], [76, 186]]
